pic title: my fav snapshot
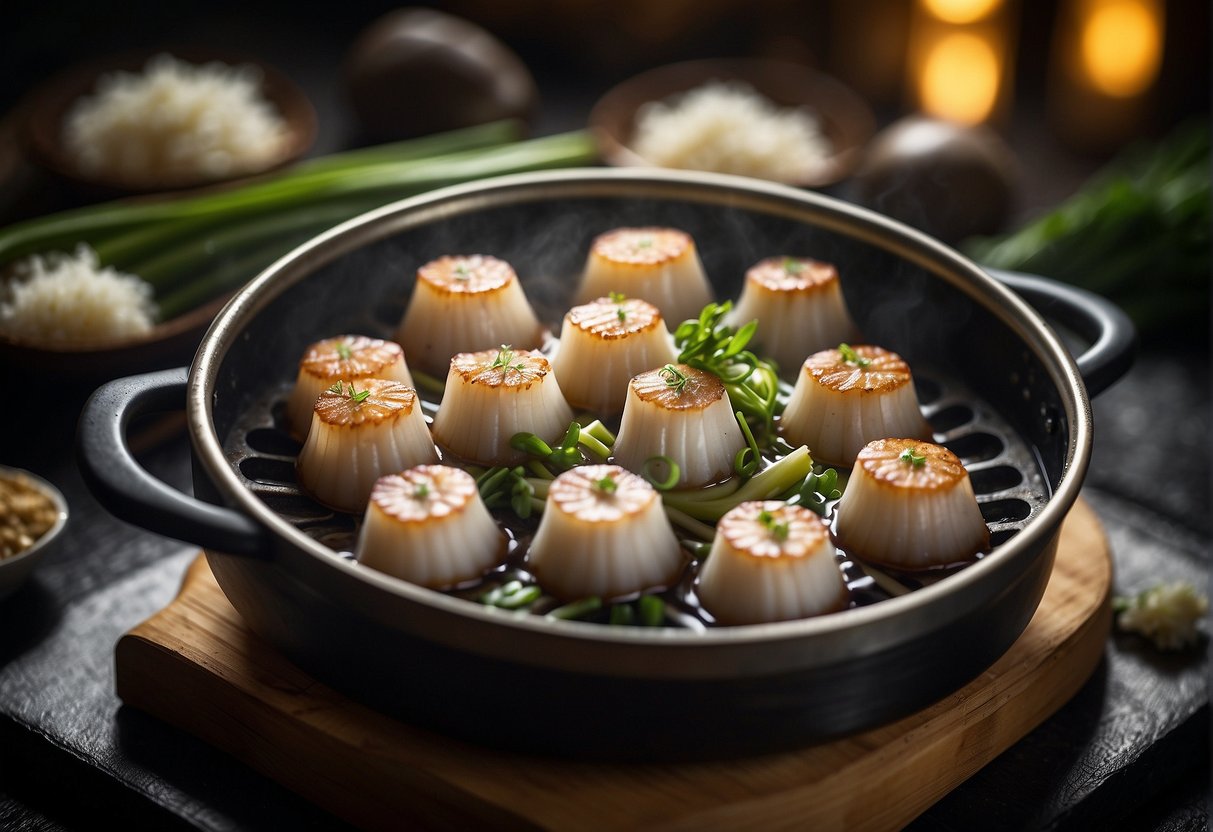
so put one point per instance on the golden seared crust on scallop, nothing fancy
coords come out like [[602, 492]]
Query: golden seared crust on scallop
[[770, 562], [603, 344], [660, 265], [341, 358], [467, 274], [910, 504], [359, 433], [427, 525], [787, 275], [700, 390], [604, 532], [492, 395], [463, 304], [385, 401], [846, 397]]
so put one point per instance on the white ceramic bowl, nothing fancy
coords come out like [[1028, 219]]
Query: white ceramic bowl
[[16, 569]]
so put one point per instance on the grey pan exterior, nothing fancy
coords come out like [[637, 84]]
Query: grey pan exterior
[[492, 676]]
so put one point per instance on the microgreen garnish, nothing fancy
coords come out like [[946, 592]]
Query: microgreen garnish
[[674, 378], [851, 357], [343, 351], [358, 397], [707, 343], [792, 266], [778, 530], [505, 360], [912, 458], [337, 388], [653, 464], [461, 272], [421, 491], [618, 299], [606, 485], [644, 242]]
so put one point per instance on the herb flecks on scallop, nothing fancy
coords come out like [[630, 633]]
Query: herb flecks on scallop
[[910, 504], [341, 358], [603, 344], [799, 306], [849, 396], [770, 562], [494, 394], [360, 432], [603, 533], [683, 414], [660, 265], [427, 525], [465, 304]]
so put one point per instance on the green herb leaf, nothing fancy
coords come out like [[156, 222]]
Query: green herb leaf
[[674, 378], [792, 266], [337, 388], [777, 530], [421, 491], [851, 357], [606, 485], [912, 458], [343, 351]]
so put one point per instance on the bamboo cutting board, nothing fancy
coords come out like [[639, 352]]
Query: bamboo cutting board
[[197, 666]]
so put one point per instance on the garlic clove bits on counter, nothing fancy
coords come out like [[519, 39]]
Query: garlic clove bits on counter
[[770, 562], [660, 265], [799, 307], [428, 526], [494, 394], [604, 532], [910, 504], [846, 397], [464, 304], [346, 358], [684, 414], [359, 433], [603, 344]]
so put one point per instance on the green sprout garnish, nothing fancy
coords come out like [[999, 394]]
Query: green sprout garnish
[[461, 272], [617, 297], [644, 242], [343, 351], [778, 530], [337, 388], [674, 378], [912, 458], [851, 357], [504, 359], [421, 491], [792, 266], [606, 485], [358, 397]]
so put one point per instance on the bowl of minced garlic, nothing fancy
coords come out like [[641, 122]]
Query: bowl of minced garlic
[[32, 514]]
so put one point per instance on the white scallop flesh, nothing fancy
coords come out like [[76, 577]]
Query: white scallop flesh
[[607, 541], [341, 358], [428, 526], [494, 394], [603, 344], [695, 426], [660, 265], [799, 307], [770, 562], [352, 442], [465, 304], [837, 406], [910, 514]]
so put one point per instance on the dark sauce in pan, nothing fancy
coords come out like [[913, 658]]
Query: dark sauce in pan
[[1004, 471]]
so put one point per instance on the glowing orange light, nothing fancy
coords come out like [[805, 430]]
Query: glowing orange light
[[1122, 46], [961, 11], [959, 78]]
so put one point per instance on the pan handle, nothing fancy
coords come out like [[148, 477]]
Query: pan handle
[[128, 491], [1111, 333]]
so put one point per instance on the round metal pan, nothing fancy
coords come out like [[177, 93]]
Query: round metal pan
[[583, 689]]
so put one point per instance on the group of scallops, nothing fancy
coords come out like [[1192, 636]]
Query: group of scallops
[[368, 448]]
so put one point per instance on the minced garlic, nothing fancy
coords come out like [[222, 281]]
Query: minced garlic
[[1167, 614], [26, 513]]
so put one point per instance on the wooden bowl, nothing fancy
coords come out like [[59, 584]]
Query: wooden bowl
[[44, 109], [845, 119]]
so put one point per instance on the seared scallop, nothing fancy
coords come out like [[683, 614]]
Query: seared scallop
[[603, 344], [909, 504], [359, 433], [660, 265], [464, 304], [603, 532], [494, 394], [770, 562], [846, 397], [341, 358], [428, 526], [799, 307], [684, 415]]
